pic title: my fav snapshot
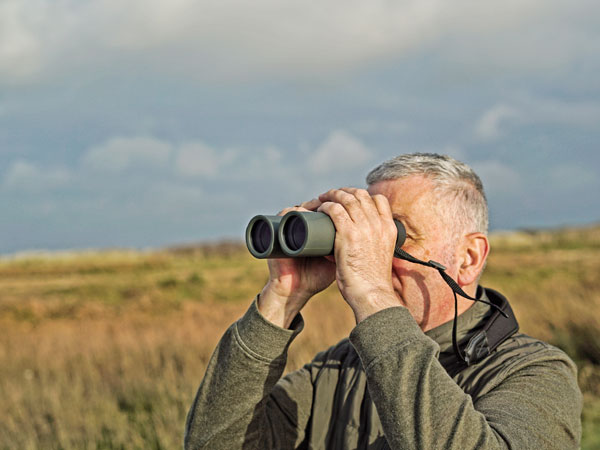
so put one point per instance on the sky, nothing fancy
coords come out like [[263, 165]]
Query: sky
[[145, 123]]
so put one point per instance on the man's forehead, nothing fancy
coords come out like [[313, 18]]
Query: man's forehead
[[412, 199], [407, 189]]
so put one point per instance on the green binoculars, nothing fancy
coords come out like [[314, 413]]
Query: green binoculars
[[296, 234]]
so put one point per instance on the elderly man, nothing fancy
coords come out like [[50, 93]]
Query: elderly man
[[398, 381]]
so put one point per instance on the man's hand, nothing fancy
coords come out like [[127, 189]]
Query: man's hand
[[293, 281], [364, 248]]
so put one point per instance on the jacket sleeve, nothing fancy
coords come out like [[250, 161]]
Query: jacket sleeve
[[537, 405], [242, 403]]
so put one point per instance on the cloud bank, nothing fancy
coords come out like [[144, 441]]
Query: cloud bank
[[149, 122], [233, 39]]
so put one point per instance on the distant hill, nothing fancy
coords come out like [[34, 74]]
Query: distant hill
[[564, 237]]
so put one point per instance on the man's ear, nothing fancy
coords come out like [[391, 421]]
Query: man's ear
[[474, 253]]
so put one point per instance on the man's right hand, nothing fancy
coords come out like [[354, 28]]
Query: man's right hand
[[293, 281]]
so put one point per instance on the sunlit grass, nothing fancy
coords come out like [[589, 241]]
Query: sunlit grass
[[106, 349]]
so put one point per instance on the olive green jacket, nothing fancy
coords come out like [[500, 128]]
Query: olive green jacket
[[389, 386]]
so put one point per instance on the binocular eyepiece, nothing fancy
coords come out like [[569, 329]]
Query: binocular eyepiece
[[296, 234]]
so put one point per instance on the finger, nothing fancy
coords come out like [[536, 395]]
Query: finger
[[366, 201], [383, 205], [338, 214], [311, 205], [348, 201], [283, 212], [385, 212]]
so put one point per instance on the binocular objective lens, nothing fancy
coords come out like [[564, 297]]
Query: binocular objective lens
[[295, 233], [261, 236]]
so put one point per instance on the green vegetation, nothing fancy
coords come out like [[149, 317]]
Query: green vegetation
[[104, 350]]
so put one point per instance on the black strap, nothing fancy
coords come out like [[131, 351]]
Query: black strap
[[494, 332], [399, 253]]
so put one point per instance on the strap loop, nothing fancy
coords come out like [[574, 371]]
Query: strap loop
[[456, 289]]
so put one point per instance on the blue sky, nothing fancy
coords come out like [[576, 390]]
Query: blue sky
[[148, 123]]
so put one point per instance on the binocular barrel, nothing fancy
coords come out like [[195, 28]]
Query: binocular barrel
[[296, 234]]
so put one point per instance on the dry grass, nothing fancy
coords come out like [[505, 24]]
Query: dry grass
[[105, 350]]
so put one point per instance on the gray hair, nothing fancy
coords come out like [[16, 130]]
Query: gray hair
[[459, 185]]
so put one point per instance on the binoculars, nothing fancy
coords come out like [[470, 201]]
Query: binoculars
[[296, 234]]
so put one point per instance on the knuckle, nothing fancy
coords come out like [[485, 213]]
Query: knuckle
[[351, 238], [348, 198], [352, 200], [336, 208], [325, 207], [392, 232], [391, 228], [362, 193]]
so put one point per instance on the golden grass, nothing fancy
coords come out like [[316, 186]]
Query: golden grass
[[106, 349]]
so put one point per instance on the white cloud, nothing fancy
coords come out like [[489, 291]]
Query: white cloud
[[371, 126], [171, 198], [188, 159], [214, 39], [198, 159], [498, 177], [526, 109], [20, 48], [121, 153], [340, 151], [273, 155], [488, 38], [268, 167], [22, 175], [489, 125], [553, 111]]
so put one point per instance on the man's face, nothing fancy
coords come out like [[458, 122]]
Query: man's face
[[429, 237]]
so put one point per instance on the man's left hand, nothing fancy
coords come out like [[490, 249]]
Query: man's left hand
[[364, 248]]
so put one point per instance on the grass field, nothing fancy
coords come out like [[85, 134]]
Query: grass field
[[105, 350]]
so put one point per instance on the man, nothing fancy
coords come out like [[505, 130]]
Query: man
[[397, 382]]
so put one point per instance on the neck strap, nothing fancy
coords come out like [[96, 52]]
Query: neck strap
[[456, 289]]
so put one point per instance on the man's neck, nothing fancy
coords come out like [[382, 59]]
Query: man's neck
[[445, 310]]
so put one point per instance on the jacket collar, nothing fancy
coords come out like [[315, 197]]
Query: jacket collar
[[468, 323]]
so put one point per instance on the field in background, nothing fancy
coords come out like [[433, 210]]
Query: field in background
[[104, 350]]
